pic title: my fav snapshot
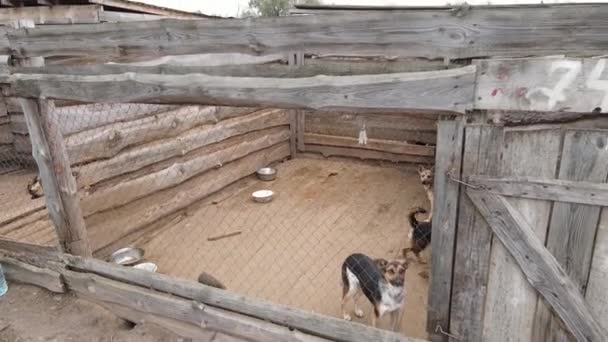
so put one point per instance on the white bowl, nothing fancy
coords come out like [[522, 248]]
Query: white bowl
[[263, 196], [147, 266]]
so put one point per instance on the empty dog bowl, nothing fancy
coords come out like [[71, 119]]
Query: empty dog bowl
[[263, 196], [147, 266], [127, 256], [267, 173]]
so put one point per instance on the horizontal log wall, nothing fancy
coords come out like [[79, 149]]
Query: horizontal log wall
[[396, 138], [136, 163]]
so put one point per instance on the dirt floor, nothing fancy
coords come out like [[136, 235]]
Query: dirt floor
[[290, 250], [21, 217], [29, 313]]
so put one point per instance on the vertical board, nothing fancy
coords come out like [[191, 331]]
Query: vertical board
[[473, 241], [598, 275], [293, 131], [573, 226], [450, 136], [511, 301], [300, 118]]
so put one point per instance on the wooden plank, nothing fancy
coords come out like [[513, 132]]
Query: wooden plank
[[448, 159], [482, 147], [138, 157], [305, 321], [60, 189], [400, 127], [86, 14], [239, 65], [331, 151], [511, 301], [293, 133], [180, 171], [431, 91], [155, 303], [541, 269], [432, 34], [391, 146], [109, 140], [18, 124], [185, 330], [542, 84], [108, 227], [140, 7], [18, 271], [573, 226], [545, 189], [515, 118], [118, 17], [598, 275], [6, 135], [301, 123]]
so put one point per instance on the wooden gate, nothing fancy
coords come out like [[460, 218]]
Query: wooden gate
[[531, 256]]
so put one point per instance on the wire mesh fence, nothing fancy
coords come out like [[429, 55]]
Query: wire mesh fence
[[178, 181]]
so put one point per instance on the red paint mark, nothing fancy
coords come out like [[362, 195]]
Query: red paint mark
[[521, 91], [496, 91]]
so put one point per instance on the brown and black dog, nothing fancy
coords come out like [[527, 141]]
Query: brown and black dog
[[427, 176], [420, 235], [381, 281]]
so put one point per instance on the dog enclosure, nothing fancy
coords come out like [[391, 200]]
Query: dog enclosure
[[161, 155]]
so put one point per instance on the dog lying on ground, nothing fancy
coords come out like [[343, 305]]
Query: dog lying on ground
[[420, 234], [381, 281], [427, 176], [34, 187]]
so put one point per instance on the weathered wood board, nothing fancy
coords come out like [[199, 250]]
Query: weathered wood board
[[390, 146], [573, 227], [430, 91], [432, 34], [24, 273], [598, 275], [482, 146], [511, 301], [448, 160], [541, 269], [543, 84], [398, 127], [87, 14]]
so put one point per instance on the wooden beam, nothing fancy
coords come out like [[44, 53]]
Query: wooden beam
[[538, 265], [301, 123], [154, 303], [136, 6], [237, 65], [60, 190], [139, 157], [391, 146], [359, 153], [119, 17], [432, 91], [521, 118], [542, 84], [433, 34], [481, 154], [87, 14], [180, 171], [18, 271], [545, 189], [448, 159], [304, 321], [293, 133]]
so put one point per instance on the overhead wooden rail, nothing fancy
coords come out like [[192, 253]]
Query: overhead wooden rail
[[577, 30]]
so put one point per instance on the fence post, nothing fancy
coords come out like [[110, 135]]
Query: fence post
[[60, 189]]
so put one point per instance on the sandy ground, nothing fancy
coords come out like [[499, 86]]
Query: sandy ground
[[29, 313], [290, 250]]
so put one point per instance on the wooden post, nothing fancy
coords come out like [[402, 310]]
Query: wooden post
[[59, 185], [450, 137]]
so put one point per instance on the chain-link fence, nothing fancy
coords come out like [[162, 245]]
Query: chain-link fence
[[178, 182]]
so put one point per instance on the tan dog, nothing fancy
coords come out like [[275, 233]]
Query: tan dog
[[427, 176]]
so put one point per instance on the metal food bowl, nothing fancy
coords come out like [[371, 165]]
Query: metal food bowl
[[263, 196], [147, 266], [267, 173], [127, 256]]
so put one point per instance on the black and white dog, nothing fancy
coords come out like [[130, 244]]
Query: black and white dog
[[382, 282]]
